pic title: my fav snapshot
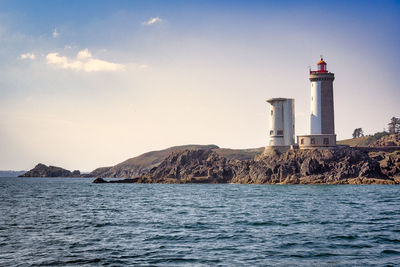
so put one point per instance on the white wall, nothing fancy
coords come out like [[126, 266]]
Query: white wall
[[289, 122], [316, 116], [282, 119]]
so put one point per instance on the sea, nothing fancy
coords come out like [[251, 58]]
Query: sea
[[73, 222]]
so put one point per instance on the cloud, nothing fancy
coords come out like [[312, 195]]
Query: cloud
[[27, 56], [84, 54], [152, 21], [84, 62], [55, 33]]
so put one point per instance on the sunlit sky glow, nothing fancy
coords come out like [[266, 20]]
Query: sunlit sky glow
[[85, 84]]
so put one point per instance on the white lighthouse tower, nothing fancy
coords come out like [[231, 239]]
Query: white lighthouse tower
[[322, 113], [322, 119]]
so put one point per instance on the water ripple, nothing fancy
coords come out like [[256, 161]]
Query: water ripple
[[61, 222]]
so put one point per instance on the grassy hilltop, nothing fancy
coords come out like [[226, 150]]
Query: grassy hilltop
[[380, 139]]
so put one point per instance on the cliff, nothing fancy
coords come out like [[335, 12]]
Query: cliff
[[42, 170], [337, 166], [144, 163]]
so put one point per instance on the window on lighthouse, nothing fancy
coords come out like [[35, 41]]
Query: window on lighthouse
[[321, 67]]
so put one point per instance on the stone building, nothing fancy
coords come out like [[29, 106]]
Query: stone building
[[281, 123]]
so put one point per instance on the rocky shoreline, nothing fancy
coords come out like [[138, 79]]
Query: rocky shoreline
[[375, 164], [342, 165]]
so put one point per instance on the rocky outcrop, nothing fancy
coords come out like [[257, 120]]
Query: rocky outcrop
[[103, 181], [191, 166], [42, 170], [99, 181], [388, 140], [336, 166], [144, 163], [389, 162]]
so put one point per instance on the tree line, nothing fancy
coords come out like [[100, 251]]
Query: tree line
[[393, 128]]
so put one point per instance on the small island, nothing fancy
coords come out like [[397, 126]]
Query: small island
[[336, 166], [41, 170], [371, 161]]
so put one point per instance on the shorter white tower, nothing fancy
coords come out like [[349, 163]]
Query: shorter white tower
[[281, 122]]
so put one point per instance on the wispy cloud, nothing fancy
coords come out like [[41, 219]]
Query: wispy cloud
[[84, 61], [55, 33], [27, 56], [152, 21]]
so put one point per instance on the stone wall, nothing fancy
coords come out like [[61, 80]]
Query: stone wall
[[316, 141]]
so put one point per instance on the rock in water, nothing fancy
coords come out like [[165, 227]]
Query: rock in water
[[42, 170], [99, 181]]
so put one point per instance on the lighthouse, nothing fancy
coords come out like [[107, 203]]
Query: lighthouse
[[322, 113], [322, 116]]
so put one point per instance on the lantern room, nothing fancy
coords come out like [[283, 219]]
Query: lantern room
[[321, 66]]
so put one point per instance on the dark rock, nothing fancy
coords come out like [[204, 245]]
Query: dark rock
[[336, 166], [310, 166], [389, 162], [125, 181], [122, 181], [388, 140], [144, 163], [99, 181], [42, 170]]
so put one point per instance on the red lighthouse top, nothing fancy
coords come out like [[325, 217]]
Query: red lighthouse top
[[321, 67], [321, 62]]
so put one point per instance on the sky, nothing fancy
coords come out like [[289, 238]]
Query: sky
[[85, 84]]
